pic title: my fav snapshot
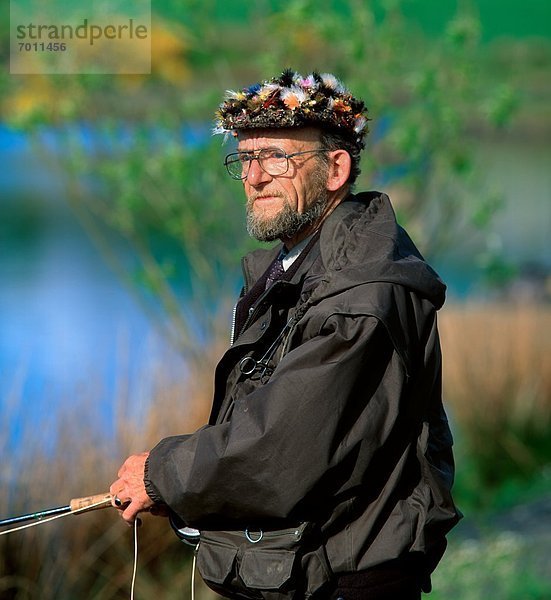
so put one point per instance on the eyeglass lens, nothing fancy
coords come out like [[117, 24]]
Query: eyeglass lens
[[273, 161]]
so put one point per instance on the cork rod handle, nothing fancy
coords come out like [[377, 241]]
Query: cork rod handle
[[90, 502]]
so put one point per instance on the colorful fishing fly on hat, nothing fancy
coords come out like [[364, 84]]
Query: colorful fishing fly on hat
[[292, 100]]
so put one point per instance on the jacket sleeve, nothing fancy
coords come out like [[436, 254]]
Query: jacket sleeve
[[331, 399]]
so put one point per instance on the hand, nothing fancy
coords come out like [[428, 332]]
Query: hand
[[130, 488]]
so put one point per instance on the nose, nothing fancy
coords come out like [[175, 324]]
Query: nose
[[257, 175]]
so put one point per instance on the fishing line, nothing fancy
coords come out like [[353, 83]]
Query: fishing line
[[84, 509], [193, 575], [135, 568]]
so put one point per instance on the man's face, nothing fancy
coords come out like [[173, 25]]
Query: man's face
[[287, 206]]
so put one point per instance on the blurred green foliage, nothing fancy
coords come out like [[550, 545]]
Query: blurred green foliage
[[179, 217], [490, 568]]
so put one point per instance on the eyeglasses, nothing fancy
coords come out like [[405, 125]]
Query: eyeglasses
[[273, 161]]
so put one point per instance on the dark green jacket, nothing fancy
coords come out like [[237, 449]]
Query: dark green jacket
[[345, 427]]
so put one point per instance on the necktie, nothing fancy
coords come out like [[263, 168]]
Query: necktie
[[275, 272]]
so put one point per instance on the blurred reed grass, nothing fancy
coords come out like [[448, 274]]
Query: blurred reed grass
[[497, 387]]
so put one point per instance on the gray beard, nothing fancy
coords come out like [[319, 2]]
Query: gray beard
[[287, 223]]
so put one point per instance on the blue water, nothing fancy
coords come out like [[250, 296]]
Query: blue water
[[69, 329], [65, 321]]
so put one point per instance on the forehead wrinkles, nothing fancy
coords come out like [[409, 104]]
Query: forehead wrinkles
[[294, 139], [261, 143]]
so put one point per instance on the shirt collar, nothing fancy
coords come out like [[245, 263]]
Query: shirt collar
[[289, 257]]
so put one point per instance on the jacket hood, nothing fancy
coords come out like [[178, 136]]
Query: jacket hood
[[361, 242]]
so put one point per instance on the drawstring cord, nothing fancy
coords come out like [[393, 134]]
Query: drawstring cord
[[76, 511]]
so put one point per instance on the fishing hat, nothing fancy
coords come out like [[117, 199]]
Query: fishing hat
[[292, 100]]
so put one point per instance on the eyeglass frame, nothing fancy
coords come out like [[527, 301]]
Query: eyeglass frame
[[256, 156]]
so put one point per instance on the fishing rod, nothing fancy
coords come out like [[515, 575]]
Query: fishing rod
[[76, 506], [88, 503]]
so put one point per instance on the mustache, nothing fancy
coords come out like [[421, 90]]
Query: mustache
[[266, 194]]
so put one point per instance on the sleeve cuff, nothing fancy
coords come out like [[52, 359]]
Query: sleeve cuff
[[152, 492]]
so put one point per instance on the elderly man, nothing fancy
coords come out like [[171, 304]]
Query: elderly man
[[325, 469]]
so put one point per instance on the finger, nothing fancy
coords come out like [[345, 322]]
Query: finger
[[124, 467], [130, 512], [116, 494], [114, 497]]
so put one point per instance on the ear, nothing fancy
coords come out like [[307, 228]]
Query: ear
[[339, 169]]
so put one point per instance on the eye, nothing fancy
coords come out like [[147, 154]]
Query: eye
[[233, 159], [274, 153]]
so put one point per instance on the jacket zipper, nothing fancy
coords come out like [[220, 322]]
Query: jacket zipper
[[233, 333], [234, 315]]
